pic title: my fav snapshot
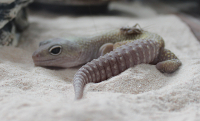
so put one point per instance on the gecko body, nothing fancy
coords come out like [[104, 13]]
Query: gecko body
[[106, 55], [76, 51]]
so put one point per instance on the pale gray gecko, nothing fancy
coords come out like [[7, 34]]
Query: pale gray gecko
[[107, 55]]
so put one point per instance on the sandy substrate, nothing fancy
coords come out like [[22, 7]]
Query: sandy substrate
[[29, 93]]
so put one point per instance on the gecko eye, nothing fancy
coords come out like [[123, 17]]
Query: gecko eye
[[55, 50]]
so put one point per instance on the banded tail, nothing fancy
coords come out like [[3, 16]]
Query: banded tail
[[115, 62]]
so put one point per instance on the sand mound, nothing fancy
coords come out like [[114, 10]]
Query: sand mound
[[140, 93]]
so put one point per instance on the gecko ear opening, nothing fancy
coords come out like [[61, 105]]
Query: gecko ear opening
[[55, 50]]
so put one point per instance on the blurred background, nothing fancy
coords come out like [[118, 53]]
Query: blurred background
[[14, 13]]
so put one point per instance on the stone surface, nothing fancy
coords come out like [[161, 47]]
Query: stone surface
[[13, 18]]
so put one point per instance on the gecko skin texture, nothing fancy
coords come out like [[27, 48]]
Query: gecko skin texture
[[106, 55]]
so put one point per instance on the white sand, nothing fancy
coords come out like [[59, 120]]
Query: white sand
[[29, 93]]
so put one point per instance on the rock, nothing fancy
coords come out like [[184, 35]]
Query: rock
[[13, 20], [73, 6]]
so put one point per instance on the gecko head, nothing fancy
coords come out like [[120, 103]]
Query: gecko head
[[57, 52]]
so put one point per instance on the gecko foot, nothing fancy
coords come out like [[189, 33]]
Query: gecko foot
[[167, 61], [131, 30], [168, 66]]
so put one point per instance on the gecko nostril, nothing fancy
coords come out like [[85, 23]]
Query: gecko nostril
[[35, 55]]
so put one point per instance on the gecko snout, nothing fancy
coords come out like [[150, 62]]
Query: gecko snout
[[36, 58], [35, 55]]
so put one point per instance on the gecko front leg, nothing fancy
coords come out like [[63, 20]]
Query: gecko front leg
[[106, 48]]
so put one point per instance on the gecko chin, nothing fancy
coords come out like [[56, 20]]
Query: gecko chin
[[58, 62], [50, 62]]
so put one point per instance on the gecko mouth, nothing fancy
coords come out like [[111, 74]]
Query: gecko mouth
[[48, 62]]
